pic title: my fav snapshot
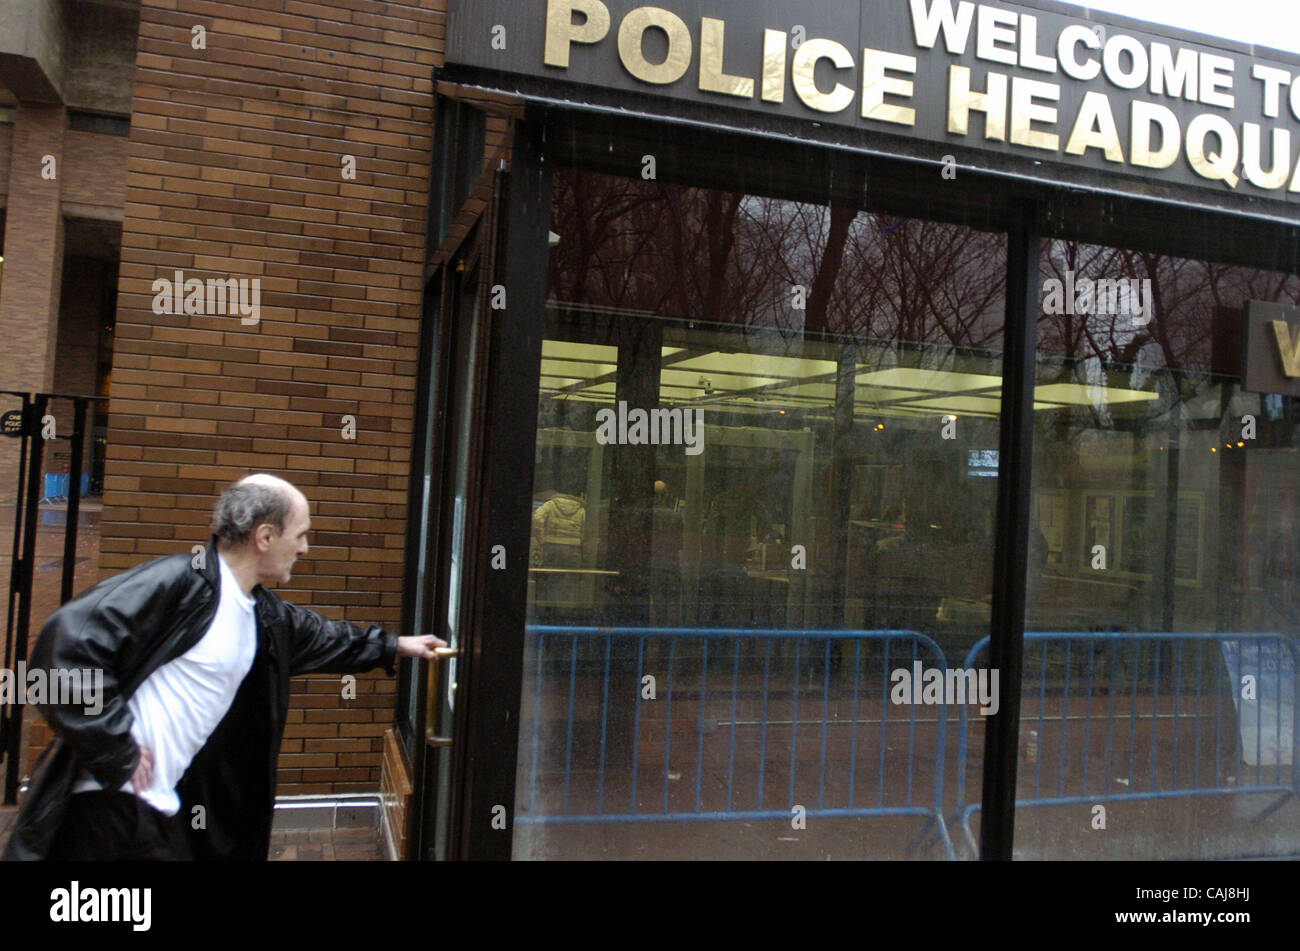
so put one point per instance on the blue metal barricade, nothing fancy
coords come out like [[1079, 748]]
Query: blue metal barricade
[[702, 724], [57, 485], [1110, 716]]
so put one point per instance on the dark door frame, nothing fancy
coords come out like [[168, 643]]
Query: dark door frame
[[512, 250], [444, 385], [425, 589], [483, 827]]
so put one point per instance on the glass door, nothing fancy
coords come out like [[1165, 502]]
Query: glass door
[[448, 610], [475, 540]]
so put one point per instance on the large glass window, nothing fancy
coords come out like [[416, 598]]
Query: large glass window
[[1158, 693], [766, 470]]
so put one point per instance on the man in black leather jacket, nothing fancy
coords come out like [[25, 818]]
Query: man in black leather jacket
[[156, 613]]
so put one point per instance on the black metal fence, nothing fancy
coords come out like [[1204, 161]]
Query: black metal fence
[[28, 423]]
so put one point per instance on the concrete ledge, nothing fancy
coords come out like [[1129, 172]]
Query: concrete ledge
[[391, 852], [327, 811]]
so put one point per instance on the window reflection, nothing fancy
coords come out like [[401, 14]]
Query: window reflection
[[1162, 535], [846, 370]]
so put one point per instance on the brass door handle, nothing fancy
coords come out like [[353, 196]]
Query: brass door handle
[[431, 737]]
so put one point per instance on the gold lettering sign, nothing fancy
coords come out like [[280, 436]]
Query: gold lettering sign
[[712, 78], [962, 100], [561, 30], [1213, 165], [1156, 107], [632, 31], [1025, 111], [774, 44], [805, 83], [875, 84], [1145, 116], [1286, 349]]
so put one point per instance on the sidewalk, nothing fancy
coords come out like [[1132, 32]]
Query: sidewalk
[[325, 845]]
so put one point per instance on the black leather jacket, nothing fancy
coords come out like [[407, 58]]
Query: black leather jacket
[[129, 626]]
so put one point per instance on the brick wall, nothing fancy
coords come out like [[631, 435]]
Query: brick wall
[[51, 335], [90, 173], [6, 143], [8, 454], [29, 294], [235, 170], [34, 243], [94, 168], [77, 353]]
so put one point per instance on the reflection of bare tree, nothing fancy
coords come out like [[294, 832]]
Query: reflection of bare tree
[[725, 257], [1186, 296], [939, 283], [1178, 332], [1188, 340], [752, 261], [749, 261]]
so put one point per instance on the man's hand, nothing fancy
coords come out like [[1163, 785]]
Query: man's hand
[[420, 646], [142, 778]]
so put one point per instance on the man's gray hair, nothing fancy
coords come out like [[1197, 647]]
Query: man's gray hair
[[248, 503]]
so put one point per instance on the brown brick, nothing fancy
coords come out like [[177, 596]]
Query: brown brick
[[232, 167]]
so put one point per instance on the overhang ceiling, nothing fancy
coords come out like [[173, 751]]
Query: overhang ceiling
[[766, 383]]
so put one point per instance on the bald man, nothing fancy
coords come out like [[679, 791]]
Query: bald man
[[177, 758]]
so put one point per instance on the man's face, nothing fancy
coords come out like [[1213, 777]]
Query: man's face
[[283, 550]]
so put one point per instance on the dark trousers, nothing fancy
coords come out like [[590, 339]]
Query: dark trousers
[[117, 826]]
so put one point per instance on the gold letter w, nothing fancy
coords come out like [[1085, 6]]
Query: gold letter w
[[1290, 352]]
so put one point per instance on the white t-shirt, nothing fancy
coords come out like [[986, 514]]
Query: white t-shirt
[[179, 705]]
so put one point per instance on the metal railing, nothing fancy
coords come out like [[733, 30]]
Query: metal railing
[[702, 724], [26, 423], [1114, 716], [636, 725]]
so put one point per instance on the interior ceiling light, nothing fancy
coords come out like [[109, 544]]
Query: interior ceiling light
[[734, 380], [943, 381], [1079, 394]]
